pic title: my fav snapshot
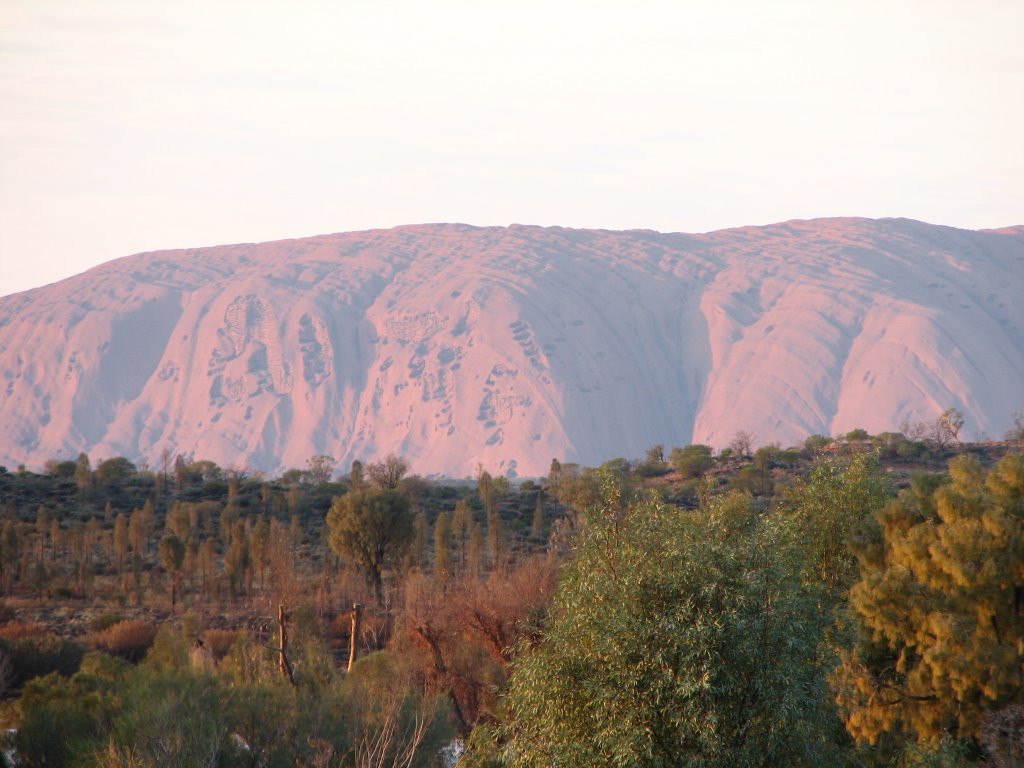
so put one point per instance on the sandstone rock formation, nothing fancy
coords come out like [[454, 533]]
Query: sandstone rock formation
[[455, 345]]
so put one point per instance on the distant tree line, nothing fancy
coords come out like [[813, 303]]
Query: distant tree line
[[850, 601]]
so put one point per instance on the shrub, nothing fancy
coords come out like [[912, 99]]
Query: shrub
[[219, 641], [815, 443], [908, 449], [653, 469], [105, 620], [58, 723], [692, 461], [16, 630], [169, 652], [128, 640], [788, 457], [35, 655]]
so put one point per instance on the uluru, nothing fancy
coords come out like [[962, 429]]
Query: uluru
[[458, 346]]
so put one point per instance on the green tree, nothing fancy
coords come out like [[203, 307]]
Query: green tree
[[261, 547], [475, 549], [320, 468], [172, 557], [120, 541], [147, 523], [462, 523], [228, 516], [42, 523], [828, 510], [355, 476], [555, 475], [83, 472], [418, 551], [372, 528], [179, 519], [537, 523], [206, 560], [114, 471], [940, 607], [691, 461], [763, 457], [237, 560], [488, 492], [675, 639], [181, 473], [10, 553], [443, 544]]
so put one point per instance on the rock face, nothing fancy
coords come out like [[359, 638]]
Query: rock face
[[456, 346]]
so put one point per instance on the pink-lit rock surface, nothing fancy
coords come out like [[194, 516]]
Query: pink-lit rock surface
[[457, 346]]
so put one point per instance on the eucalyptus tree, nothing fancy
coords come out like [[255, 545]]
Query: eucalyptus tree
[[676, 638]]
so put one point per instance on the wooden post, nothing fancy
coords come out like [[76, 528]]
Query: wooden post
[[353, 647], [286, 667]]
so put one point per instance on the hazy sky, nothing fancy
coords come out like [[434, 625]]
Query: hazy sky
[[137, 125]]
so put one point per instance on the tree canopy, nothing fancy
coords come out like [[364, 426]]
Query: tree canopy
[[676, 639], [940, 607], [371, 526]]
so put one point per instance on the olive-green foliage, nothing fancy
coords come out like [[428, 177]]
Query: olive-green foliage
[[170, 719], [692, 461], [113, 715], [675, 639], [829, 508], [172, 553], [36, 655], [371, 527], [62, 718], [169, 652], [577, 490], [391, 723], [262, 716], [816, 443]]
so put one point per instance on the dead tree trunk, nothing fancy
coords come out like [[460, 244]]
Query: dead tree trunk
[[353, 646], [286, 667]]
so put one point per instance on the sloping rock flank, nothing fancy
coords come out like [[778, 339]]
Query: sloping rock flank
[[457, 346]]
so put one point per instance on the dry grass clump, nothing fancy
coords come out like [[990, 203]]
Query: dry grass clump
[[128, 640], [219, 641], [19, 630]]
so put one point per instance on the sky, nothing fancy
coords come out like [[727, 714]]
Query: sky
[[142, 124]]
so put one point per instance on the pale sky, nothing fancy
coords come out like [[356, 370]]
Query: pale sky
[[139, 125]]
